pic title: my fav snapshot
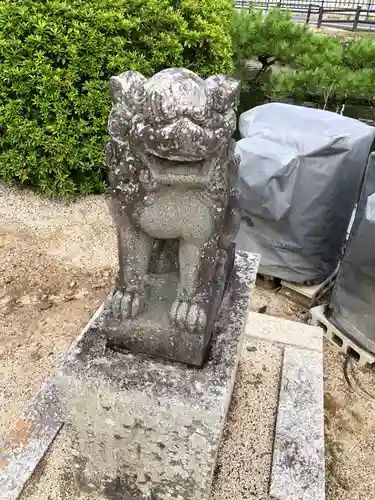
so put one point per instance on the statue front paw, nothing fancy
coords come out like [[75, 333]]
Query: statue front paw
[[127, 305], [188, 316]]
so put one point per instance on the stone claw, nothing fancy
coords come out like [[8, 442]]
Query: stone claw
[[188, 316], [127, 305]]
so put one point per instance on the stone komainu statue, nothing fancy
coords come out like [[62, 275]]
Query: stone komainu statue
[[172, 177]]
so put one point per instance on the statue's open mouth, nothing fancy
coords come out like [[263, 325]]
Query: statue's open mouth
[[182, 141], [178, 166]]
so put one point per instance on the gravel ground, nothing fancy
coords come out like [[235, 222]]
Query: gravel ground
[[57, 263]]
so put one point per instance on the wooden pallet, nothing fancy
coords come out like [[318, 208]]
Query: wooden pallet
[[268, 282], [306, 295]]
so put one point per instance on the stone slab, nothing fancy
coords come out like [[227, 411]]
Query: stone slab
[[283, 331], [27, 442], [298, 459], [245, 456], [144, 428]]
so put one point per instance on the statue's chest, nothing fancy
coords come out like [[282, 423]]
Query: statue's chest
[[168, 214]]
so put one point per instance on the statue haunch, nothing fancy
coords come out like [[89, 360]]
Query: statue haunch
[[172, 176]]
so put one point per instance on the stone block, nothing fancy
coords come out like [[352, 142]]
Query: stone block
[[144, 428], [284, 331]]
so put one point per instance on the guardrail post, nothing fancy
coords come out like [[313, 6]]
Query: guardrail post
[[308, 14], [369, 3], [356, 18], [320, 17]]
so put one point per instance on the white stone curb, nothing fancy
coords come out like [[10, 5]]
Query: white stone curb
[[298, 468]]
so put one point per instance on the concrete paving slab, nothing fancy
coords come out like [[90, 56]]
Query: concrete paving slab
[[298, 461], [283, 331]]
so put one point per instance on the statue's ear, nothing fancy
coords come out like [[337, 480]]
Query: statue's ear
[[127, 88], [225, 92]]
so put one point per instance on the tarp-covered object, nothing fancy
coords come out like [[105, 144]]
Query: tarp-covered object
[[300, 173], [352, 304]]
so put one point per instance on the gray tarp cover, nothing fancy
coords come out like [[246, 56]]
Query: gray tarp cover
[[300, 172], [352, 303]]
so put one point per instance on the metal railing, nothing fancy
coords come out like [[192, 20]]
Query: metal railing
[[340, 14], [329, 4]]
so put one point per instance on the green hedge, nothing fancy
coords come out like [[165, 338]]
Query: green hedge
[[56, 58]]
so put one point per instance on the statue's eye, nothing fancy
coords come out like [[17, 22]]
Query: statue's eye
[[161, 109]]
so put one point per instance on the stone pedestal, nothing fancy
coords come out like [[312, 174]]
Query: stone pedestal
[[144, 428], [152, 333]]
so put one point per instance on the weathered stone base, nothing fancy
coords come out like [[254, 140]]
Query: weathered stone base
[[148, 429], [152, 333]]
